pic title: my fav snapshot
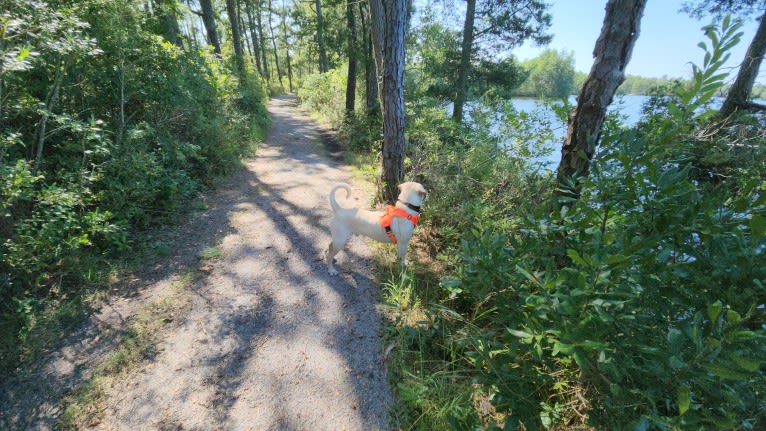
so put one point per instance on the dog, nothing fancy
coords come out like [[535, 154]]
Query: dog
[[399, 220]]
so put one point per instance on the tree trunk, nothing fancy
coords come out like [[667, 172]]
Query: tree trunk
[[276, 54], [208, 18], [323, 63], [287, 48], [351, 78], [50, 104], [388, 25], [166, 11], [243, 30], [465, 62], [612, 53], [370, 79], [254, 37], [264, 59], [239, 58], [740, 91]]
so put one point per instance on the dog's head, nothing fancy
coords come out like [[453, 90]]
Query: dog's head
[[412, 193]]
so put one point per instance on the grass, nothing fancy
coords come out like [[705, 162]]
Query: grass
[[138, 344]]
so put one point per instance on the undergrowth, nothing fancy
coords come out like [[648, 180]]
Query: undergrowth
[[109, 132], [638, 306]]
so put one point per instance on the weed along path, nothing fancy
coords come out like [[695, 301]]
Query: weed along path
[[261, 338]]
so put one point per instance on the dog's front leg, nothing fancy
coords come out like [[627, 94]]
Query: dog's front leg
[[401, 253]]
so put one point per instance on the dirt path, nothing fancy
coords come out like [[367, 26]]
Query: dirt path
[[270, 341]]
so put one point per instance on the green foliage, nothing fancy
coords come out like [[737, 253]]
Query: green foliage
[[638, 306], [107, 130], [325, 94], [435, 67], [551, 75]]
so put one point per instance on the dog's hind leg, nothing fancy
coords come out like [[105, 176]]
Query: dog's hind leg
[[336, 244]]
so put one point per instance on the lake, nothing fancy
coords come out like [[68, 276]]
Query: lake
[[629, 106]]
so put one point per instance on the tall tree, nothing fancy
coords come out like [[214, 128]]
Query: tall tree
[[612, 54], [287, 47], [274, 45], [254, 36], [258, 18], [239, 57], [324, 64], [739, 94], [388, 18], [208, 18], [167, 14], [351, 75], [504, 23], [370, 79]]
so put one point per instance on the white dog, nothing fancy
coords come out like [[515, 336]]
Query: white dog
[[395, 225]]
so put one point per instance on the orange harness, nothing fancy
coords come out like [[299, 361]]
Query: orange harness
[[388, 218]]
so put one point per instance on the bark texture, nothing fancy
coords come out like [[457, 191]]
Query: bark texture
[[612, 53], [465, 61], [239, 57], [740, 91], [324, 64], [208, 18], [351, 76], [388, 18]]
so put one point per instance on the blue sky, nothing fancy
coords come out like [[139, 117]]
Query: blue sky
[[666, 46]]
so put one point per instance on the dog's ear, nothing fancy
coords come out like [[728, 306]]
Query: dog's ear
[[399, 187], [422, 194]]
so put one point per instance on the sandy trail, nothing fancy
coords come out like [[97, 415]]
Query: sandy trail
[[271, 342]]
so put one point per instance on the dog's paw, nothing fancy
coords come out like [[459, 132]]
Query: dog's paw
[[332, 271]]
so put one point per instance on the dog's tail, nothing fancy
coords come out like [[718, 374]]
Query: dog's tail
[[333, 202]]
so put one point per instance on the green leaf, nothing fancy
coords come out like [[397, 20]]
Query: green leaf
[[520, 334], [757, 226], [714, 310], [684, 400], [726, 372], [733, 317], [748, 364], [576, 258], [559, 347]]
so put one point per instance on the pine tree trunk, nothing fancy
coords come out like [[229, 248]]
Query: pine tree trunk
[[276, 54], [740, 91], [243, 31], [264, 59], [239, 58], [465, 62], [208, 18], [287, 49], [372, 108], [351, 75], [323, 63], [254, 37], [166, 10], [612, 53], [388, 25]]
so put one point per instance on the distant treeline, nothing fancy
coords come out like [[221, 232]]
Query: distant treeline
[[552, 75]]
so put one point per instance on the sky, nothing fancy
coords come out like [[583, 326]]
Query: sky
[[666, 45]]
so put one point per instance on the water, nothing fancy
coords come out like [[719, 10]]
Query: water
[[628, 107]]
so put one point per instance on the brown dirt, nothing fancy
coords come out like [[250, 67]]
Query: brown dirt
[[269, 341]]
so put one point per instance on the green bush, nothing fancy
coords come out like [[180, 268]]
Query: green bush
[[325, 95], [638, 306], [107, 131]]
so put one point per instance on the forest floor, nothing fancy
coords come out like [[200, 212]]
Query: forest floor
[[244, 329]]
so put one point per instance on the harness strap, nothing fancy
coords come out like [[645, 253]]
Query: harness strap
[[388, 218]]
